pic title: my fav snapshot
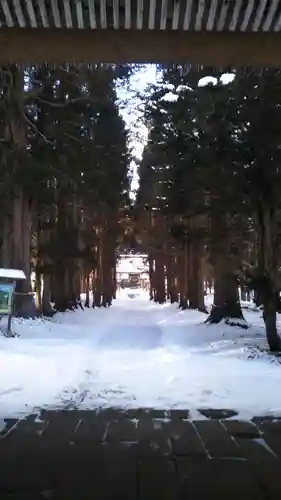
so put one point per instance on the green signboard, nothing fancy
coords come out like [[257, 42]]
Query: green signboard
[[6, 296]]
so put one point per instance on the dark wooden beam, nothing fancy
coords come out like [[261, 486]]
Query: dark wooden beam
[[62, 45]]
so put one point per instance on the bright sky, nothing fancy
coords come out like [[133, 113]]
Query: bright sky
[[132, 113]]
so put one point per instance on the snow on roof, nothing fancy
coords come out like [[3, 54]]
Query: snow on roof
[[14, 274], [131, 265], [126, 267]]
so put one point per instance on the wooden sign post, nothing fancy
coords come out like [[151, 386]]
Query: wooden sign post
[[8, 279]]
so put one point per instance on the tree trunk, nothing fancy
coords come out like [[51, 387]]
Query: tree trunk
[[87, 291], [226, 304], [151, 277], [24, 304], [108, 264], [98, 283], [268, 266], [243, 294], [269, 316], [65, 264], [6, 242], [171, 280], [38, 290], [226, 299], [47, 309], [182, 276], [77, 285], [195, 279], [169, 276], [160, 279], [114, 278], [61, 301]]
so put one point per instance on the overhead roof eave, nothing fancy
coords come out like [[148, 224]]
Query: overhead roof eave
[[206, 31]]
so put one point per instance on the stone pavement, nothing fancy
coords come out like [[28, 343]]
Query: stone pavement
[[138, 454]]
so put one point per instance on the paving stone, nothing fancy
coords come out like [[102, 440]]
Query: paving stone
[[25, 434], [10, 449], [274, 426], [118, 472], [153, 450], [271, 432], [155, 434], [67, 464], [122, 430], [80, 493], [10, 423], [67, 415], [80, 465], [63, 464], [107, 471], [217, 414], [182, 414], [60, 425], [158, 480], [101, 490], [269, 475], [16, 454], [136, 413], [216, 439], [21, 495], [153, 413], [31, 425], [91, 427], [110, 414], [218, 479], [75, 494], [266, 420], [185, 440], [255, 449], [196, 478], [24, 472], [241, 429]]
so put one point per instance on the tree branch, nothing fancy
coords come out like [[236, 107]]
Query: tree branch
[[31, 94], [38, 131], [63, 105]]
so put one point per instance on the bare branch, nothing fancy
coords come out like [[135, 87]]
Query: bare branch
[[38, 131], [77, 139], [31, 94], [6, 72], [63, 105]]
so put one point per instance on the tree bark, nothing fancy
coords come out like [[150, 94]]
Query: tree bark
[[195, 276], [98, 282], [160, 279], [226, 304], [226, 299], [87, 291], [243, 294], [151, 277], [38, 290], [47, 309], [268, 266], [182, 276], [24, 304], [6, 242], [171, 280], [269, 316]]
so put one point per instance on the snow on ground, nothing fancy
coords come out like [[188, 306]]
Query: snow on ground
[[138, 354]]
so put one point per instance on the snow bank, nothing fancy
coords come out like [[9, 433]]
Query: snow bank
[[138, 354]]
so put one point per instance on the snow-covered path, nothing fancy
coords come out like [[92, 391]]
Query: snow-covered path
[[137, 354]]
